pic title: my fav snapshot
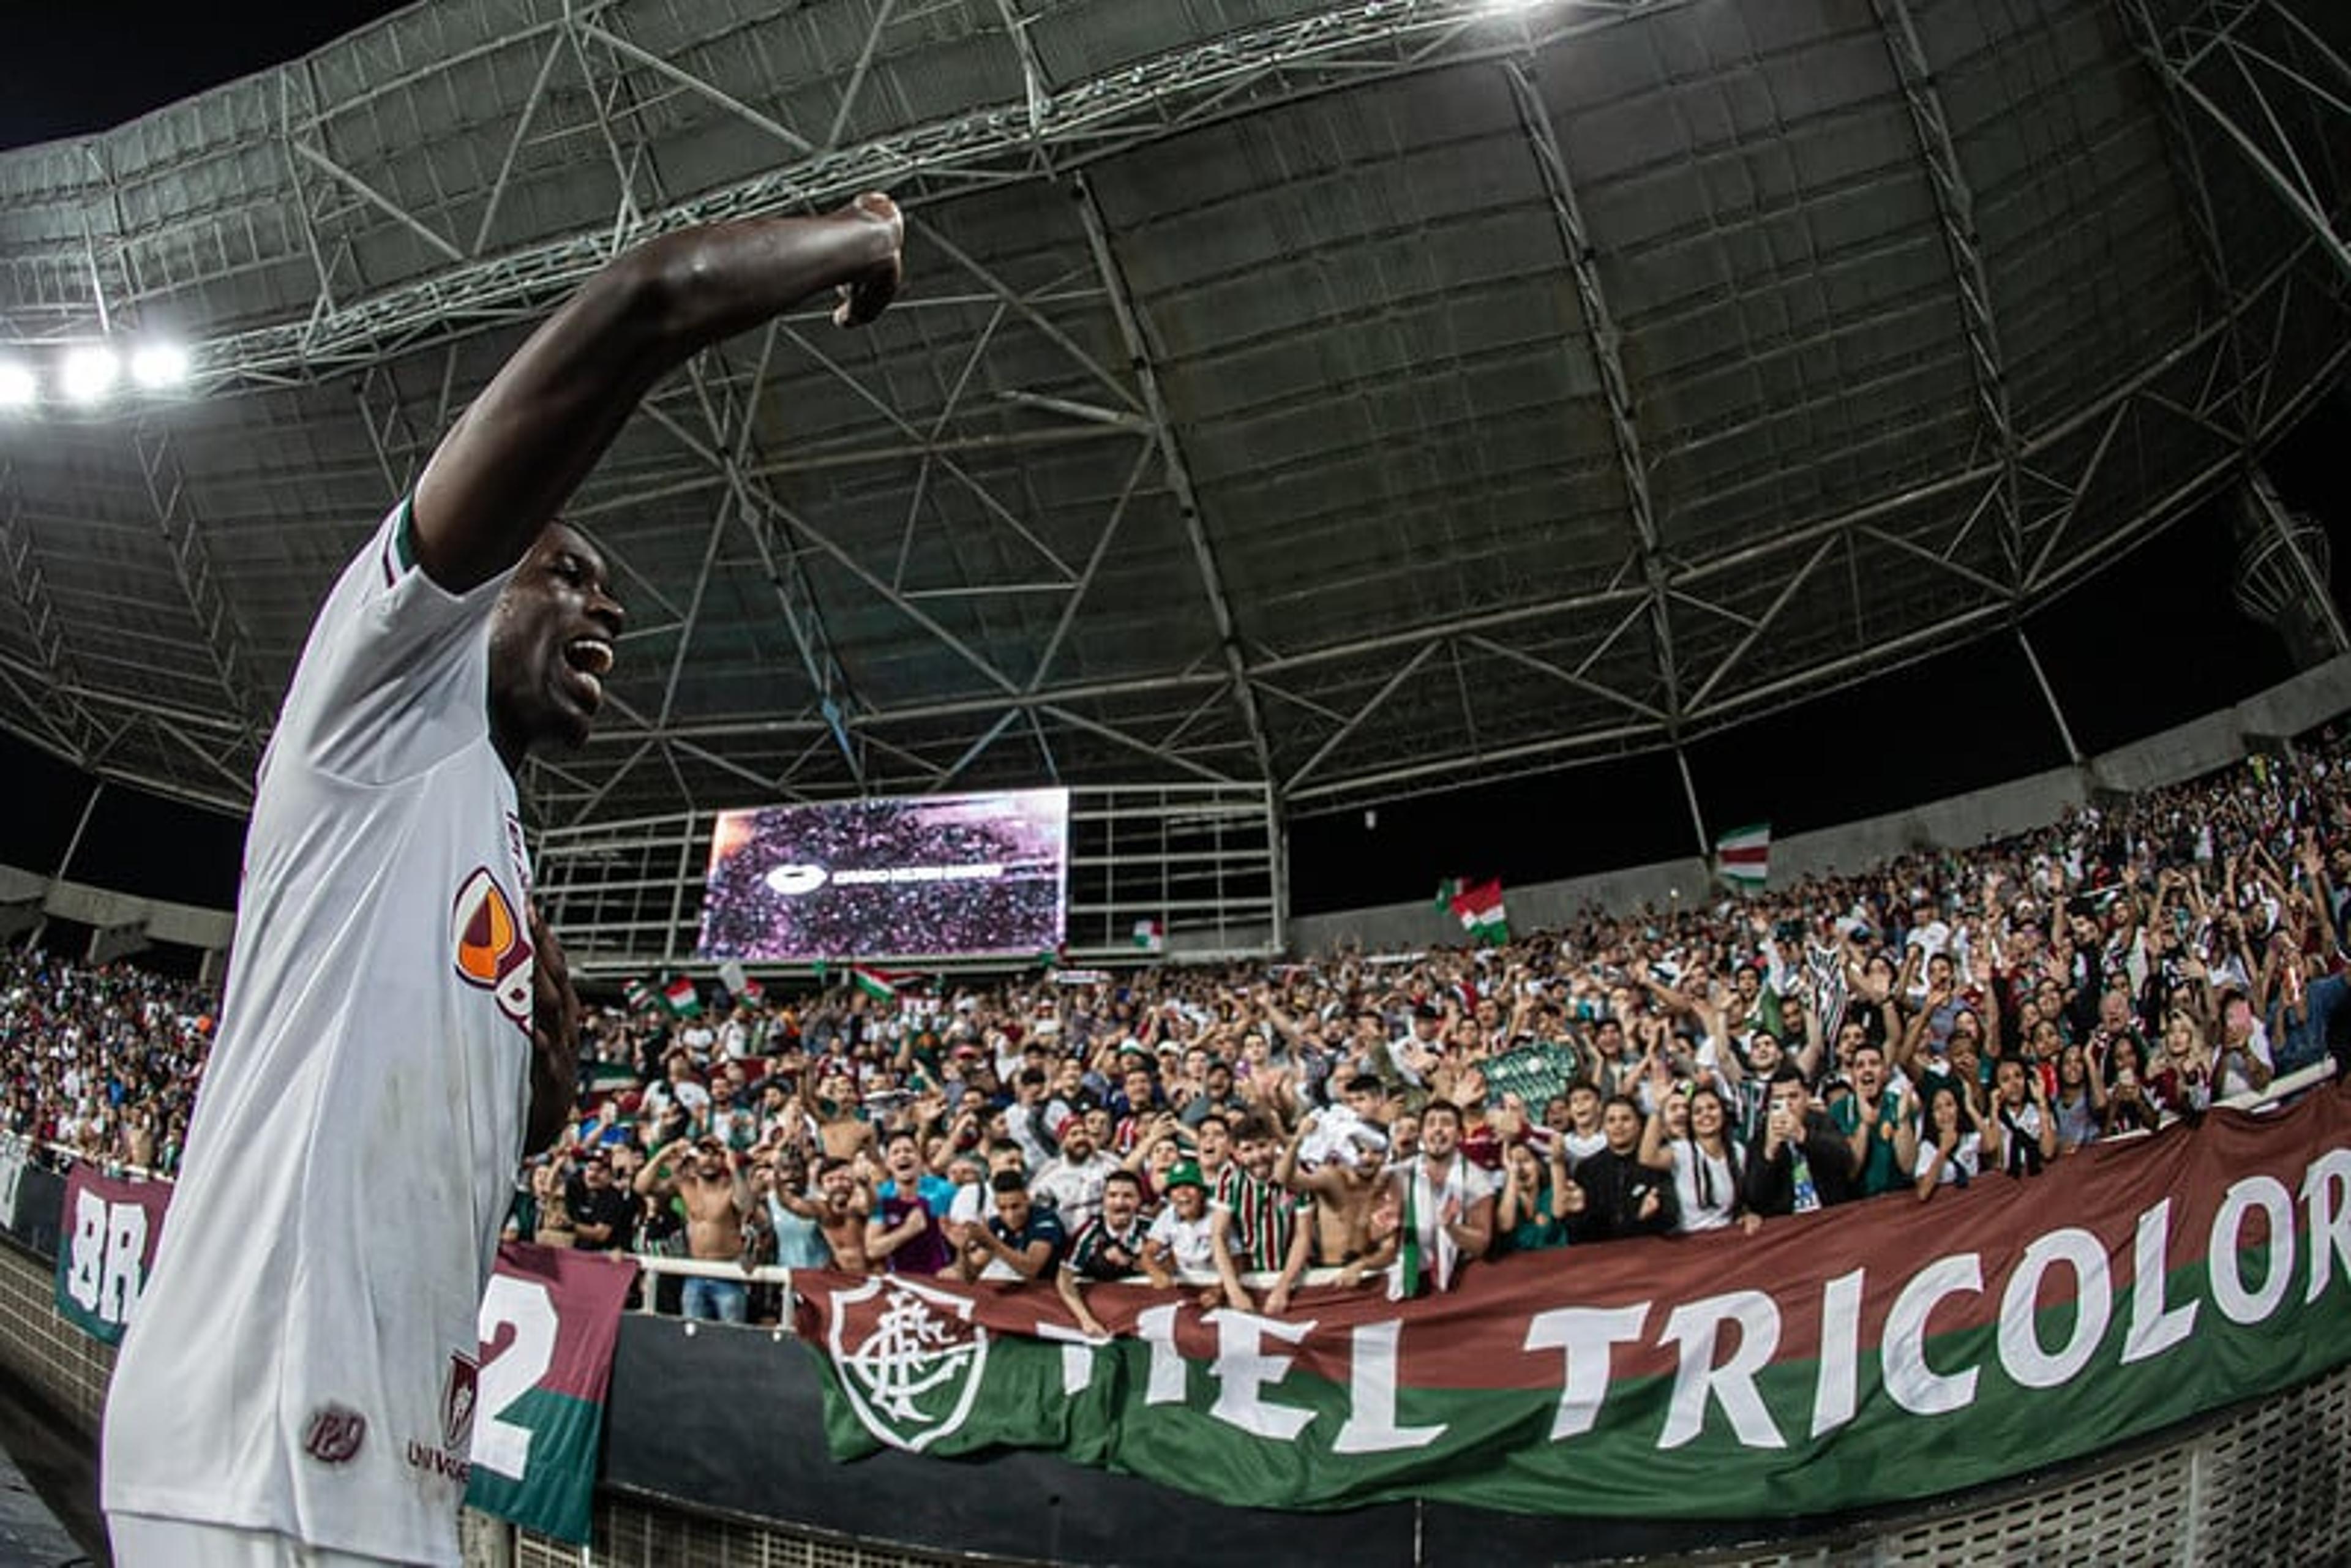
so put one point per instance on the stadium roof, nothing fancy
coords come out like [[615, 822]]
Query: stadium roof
[[1354, 397]]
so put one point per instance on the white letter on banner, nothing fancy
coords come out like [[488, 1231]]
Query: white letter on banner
[[1840, 1362], [1909, 1381], [2153, 1327], [1243, 1368], [87, 1249], [1370, 1425], [2323, 1191], [1166, 1384], [500, 1446], [126, 1250], [2093, 1309], [1587, 1336], [2224, 1260], [1077, 1357], [1695, 1326]]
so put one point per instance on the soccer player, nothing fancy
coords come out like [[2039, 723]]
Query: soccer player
[[298, 1384]]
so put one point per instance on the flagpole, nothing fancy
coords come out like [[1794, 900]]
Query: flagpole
[[2049, 693], [1689, 792]]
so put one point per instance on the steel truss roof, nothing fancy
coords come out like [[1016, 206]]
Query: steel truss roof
[[1357, 398]]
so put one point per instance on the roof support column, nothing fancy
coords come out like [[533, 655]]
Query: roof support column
[[2049, 694]]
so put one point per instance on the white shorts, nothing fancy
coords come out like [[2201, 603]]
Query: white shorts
[[141, 1542]]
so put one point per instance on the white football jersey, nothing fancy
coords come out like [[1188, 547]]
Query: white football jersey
[[302, 1359]]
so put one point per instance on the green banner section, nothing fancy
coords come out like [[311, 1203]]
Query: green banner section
[[1878, 1354], [555, 1491]]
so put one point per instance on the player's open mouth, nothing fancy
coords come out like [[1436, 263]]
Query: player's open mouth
[[590, 660]]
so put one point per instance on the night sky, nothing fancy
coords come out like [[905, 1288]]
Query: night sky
[[2154, 639]]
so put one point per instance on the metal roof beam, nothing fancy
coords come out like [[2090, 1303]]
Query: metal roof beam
[[1955, 209], [1179, 476], [1604, 339], [1371, 706], [1135, 103], [58, 710], [216, 618], [2267, 151]]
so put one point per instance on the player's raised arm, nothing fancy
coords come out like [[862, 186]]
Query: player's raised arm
[[524, 446]]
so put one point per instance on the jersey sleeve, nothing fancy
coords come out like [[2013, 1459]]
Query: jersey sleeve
[[395, 676]]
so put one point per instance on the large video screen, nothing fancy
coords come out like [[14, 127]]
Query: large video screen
[[931, 876]]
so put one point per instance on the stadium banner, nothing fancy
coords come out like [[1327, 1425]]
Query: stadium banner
[[105, 1245], [549, 1319], [1833, 1361]]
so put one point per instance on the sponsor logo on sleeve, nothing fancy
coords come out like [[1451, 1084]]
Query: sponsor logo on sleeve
[[491, 945]]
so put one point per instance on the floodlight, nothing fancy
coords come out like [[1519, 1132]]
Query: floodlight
[[88, 374], [19, 388], [158, 367]]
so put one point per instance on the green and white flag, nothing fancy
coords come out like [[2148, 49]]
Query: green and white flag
[[1150, 937], [683, 998], [639, 995], [1743, 855], [879, 984], [1478, 907]]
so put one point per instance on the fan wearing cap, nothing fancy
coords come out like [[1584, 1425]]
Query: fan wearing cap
[[1181, 1245], [603, 1216]]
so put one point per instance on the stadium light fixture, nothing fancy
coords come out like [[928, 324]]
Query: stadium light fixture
[[19, 388], [160, 367], [90, 373]]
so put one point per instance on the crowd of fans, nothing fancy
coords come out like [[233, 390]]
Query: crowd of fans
[[1942, 1018], [103, 1063]]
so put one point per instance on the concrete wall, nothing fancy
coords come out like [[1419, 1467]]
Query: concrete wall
[[187, 924], [1959, 821]]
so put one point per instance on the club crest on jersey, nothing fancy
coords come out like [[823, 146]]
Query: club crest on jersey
[[457, 1395], [491, 943]]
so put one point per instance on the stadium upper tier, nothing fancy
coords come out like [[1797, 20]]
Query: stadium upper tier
[[1350, 398]]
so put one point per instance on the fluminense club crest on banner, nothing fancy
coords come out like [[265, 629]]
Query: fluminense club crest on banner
[[909, 1359]]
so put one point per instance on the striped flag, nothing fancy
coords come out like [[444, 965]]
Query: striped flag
[[639, 995], [879, 984], [739, 985], [683, 999], [1150, 935], [1447, 892], [1403, 1284], [1743, 855], [1479, 907]]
